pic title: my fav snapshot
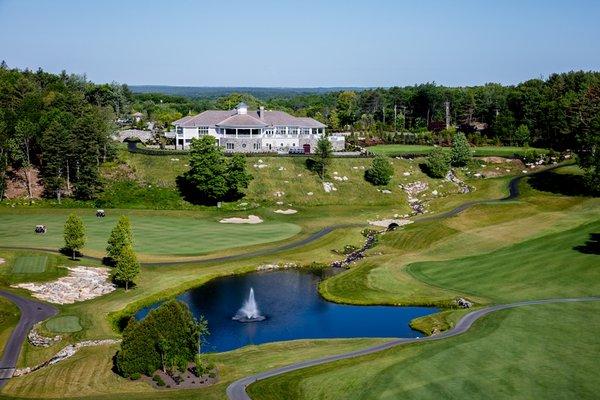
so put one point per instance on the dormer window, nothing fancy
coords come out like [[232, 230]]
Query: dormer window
[[242, 108]]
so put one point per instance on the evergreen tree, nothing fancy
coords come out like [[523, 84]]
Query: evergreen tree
[[205, 181], [381, 171], [461, 153], [322, 157], [237, 178], [74, 234], [438, 163], [120, 237], [521, 136], [127, 267]]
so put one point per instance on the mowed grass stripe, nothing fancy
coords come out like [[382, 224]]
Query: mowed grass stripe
[[153, 234], [549, 266], [527, 353], [30, 264]]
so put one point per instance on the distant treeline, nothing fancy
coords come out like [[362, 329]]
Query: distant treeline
[[544, 113]]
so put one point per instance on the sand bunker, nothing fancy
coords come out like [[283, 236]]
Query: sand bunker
[[387, 222], [2, 261], [82, 283], [288, 211], [252, 219]]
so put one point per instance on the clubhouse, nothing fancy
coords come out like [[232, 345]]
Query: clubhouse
[[253, 131]]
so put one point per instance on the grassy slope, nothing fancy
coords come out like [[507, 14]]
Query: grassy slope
[[89, 373], [9, 317], [527, 353], [483, 151], [382, 278]]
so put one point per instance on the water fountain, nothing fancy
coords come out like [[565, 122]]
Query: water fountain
[[249, 311]]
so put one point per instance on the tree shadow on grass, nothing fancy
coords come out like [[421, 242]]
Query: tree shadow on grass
[[564, 184], [592, 246]]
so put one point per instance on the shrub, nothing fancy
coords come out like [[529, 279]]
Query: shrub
[[438, 163], [167, 335], [159, 381], [135, 376], [461, 153], [380, 173], [368, 232]]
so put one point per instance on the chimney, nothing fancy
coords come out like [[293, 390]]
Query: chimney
[[261, 112]]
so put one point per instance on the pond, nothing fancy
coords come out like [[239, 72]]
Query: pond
[[293, 309]]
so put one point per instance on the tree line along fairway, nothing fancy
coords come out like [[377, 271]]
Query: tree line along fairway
[[154, 234]]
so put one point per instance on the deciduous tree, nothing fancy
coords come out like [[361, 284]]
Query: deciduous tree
[[74, 234]]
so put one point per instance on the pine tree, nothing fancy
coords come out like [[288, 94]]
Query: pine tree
[[461, 153], [127, 268], [120, 237], [381, 171], [323, 154], [74, 234]]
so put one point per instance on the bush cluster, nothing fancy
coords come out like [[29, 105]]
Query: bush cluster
[[167, 337]]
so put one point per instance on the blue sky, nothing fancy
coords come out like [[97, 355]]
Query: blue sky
[[302, 43]]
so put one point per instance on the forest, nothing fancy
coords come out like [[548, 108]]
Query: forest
[[62, 124]]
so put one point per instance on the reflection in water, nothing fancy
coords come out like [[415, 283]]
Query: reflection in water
[[294, 309]]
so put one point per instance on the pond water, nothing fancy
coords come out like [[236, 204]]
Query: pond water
[[293, 308]]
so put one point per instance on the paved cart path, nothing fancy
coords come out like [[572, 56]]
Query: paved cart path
[[32, 312], [237, 390]]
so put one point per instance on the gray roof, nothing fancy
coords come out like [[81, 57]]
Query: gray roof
[[242, 120], [224, 118]]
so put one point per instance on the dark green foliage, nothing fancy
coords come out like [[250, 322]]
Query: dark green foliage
[[212, 177], [322, 157], [60, 124], [381, 172], [167, 334], [159, 381], [461, 153], [120, 237], [127, 267], [74, 234], [438, 163], [588, 144]]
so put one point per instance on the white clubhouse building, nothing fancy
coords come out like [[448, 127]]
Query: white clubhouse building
[[247, 131]]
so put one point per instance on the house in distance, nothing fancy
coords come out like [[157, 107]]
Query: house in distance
[[253, 131]]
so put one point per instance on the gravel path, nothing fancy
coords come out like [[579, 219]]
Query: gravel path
[[237, 390], [32, 312]]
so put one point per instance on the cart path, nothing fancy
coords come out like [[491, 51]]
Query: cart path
[[237, 389], [32, 312]]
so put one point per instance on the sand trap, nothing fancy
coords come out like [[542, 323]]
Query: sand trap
[[82, 283], [387, 222], [288, 211], [252, 219], [2, 261]]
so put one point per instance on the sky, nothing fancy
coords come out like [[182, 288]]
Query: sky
[[303, 43]]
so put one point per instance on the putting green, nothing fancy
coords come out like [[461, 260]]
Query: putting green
[[154, 233], [64, 324], [30, 264]]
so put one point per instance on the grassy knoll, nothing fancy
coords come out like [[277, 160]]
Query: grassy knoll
[[382, 278], [88, 374], [549, 266], [155, 233], [483, 151], [9, 317], [526, 353]]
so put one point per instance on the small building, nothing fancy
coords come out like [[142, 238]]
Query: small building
[[252, 131]]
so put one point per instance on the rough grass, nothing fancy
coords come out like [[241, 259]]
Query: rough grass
[[30, 264], [483, 151], [64, 324], [89, 373], [527, 353], [9, 317]]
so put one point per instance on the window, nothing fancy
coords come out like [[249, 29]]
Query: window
[[203, 130], [243, 145], [294, 131], [256, 132], [256, 146], [229, 131], [269, 131], [180, 130], [282, 130], [243, 131], [230, 146]]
